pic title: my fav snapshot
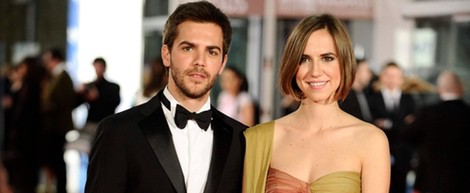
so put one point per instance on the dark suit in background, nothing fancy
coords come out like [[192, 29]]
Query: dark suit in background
[[21, 157], [442, 134], [406, 106], [101, 95], [353, 106], [134, 152], [396, 119], [392, 110], [357, 101], [58, 101], [105, 104]]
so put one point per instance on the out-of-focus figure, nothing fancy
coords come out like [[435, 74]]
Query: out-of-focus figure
[[22, 139], [234, 100], [392, 109], [289, 104], [442, 134], [58, 101], [101, 96], [155, 79], [357, 101], [4, 183]]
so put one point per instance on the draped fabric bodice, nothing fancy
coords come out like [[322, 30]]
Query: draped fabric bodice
[[336, 182], [259, 177]]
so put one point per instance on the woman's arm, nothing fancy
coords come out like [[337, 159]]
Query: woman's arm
[[375, 163]]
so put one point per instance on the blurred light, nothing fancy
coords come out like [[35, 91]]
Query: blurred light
[[72, 135]]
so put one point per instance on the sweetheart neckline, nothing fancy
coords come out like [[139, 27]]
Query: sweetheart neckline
[[319, 178]]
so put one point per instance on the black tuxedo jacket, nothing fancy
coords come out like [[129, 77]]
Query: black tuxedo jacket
[[442, 134], [134, 152], [352, 106], [378, 110]]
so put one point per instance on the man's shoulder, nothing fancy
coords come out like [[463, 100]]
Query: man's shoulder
[[124, 116], [111, 83], [228, 120]]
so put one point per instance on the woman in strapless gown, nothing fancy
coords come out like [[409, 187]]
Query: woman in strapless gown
[[318, 148]]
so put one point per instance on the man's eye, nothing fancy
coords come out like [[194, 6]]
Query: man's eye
[[187, 48], [213, 52]]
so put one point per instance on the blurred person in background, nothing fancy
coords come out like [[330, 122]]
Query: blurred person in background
[[101, 97], [441, 133], [5, 105], [289, 104], [177, 141], [234, 99], [392, 109], [319, 147], [4, 182], [155, 79], [22, 141], [357, 101], [8, 74], [58, 101]]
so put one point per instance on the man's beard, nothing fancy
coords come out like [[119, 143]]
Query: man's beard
[[178, 77]]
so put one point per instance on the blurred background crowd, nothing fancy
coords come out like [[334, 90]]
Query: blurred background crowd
[[67, 64]]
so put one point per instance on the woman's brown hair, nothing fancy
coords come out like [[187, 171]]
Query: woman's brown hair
[[295, 46]]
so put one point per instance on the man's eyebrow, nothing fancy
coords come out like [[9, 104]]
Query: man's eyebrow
[[214, 47], [187, 43], [194, 45]]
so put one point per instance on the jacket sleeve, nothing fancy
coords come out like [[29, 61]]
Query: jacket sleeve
[[107, 167]]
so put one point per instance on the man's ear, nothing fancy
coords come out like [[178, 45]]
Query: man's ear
[[166, 55], [223, 64]]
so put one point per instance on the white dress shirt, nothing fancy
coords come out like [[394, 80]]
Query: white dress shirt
[[391, 98], [193, 146], [58, 69]]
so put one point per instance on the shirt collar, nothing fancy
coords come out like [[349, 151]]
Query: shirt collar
[[449, 96], [58, 69], [391, 93], [174, 102]]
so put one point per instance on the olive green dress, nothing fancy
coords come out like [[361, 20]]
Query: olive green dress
[[259, 177]]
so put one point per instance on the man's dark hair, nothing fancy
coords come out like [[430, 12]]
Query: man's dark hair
[[101, 61], [56, 53], [201, 12]]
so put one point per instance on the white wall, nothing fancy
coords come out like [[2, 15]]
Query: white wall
[[112, 30]]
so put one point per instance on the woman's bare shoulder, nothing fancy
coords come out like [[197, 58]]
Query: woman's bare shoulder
[[365, 132]]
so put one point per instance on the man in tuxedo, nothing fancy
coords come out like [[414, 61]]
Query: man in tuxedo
[[442, 134], [176, 142], [392, 110]]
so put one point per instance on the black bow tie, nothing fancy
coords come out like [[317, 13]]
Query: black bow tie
[[182, 115]]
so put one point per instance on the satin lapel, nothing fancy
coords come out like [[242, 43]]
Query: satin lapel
[[158, 134], [220, 150]]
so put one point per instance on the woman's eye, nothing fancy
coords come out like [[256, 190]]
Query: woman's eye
[[328, 59], [304, 60]]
